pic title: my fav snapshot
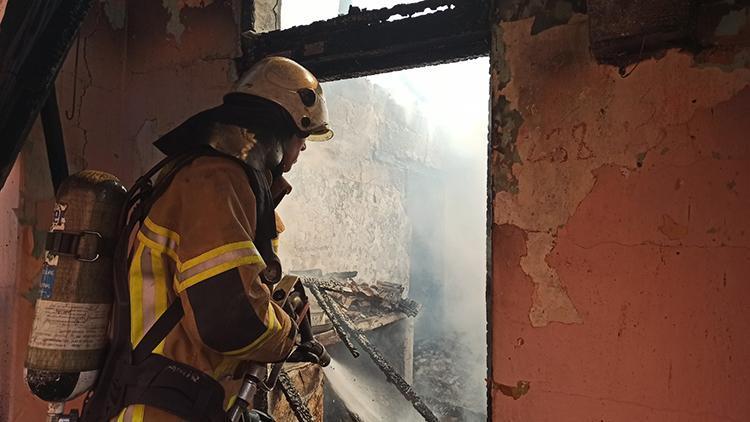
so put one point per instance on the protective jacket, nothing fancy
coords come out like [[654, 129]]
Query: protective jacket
[[198, 244]]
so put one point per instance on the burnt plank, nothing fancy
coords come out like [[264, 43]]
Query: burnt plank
[[35, 37], [365, 42]]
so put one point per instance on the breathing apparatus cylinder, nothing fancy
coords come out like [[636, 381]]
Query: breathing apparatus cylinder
[[69, 334]]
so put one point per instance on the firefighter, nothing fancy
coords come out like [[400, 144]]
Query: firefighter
[[207, 241]]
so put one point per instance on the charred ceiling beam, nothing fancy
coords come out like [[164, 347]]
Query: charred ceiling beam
[[365, 42], [35, 36]]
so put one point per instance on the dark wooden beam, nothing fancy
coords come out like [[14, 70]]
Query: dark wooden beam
[[35, 36], [53, 137], [366, 42]]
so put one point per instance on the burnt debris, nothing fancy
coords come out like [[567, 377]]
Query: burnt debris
[[342, 323]]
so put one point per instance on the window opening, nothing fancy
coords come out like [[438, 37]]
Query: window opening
[[399, 196]]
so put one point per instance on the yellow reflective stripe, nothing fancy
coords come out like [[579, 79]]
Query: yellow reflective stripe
[[136, 296], [121, 416], [160, 293], [138, 411], [158, 247], [213, 253], [148, 222], [231, 401], [226, 367], [275, 245], [274, 326], [245, 260]]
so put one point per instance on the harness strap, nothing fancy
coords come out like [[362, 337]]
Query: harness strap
[[140, 376], [174, 387], [158, 331], [69, 243]]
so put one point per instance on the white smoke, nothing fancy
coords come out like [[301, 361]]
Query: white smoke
[[403, 198]]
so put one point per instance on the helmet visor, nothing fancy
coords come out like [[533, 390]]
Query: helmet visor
[[320, 135]]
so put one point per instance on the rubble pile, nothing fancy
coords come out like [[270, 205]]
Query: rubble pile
[[442, 379], [346, 329], [363, 300]]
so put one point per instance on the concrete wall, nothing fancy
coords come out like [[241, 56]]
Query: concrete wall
[[139, 68], [348, 208], [620, 235]]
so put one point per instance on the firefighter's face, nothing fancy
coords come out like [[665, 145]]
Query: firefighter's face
[[292, 148]]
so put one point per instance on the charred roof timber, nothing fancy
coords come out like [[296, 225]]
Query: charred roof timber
[[365, 42], [35, 36]]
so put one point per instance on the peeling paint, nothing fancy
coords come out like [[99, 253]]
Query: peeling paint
[[266, 15], [175, 27], [732, 23], [536, 185], [557, 13], [550, 301], [505, 123], [516, 392], [116, 11], [546, 13], [672, 229], [631, 202]]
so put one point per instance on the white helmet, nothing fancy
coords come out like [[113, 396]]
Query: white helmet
[[294, 88]]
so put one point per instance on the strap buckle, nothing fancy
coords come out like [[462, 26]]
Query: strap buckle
[[68, 243]]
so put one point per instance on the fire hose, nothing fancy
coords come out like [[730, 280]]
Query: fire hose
[[294, 399]]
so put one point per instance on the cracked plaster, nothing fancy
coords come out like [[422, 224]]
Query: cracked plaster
[[175, 26], [592, 125], [628, 213]]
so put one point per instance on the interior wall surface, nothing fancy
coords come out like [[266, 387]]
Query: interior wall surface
[[620, 238], [138, 69]]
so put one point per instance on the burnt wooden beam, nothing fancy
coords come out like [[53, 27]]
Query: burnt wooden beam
[[35, 36], [365, 42], [53, 137]]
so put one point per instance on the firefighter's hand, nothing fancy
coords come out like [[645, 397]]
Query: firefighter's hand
[[310, 351]]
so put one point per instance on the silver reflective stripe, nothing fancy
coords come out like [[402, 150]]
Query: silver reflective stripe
[[148, 300], [128, 417], [216, 261], [159, 239]]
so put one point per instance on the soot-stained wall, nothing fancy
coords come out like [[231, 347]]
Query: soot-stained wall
[[620, 238]]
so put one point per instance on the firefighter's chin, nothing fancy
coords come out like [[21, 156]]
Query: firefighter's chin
[[286, 167]]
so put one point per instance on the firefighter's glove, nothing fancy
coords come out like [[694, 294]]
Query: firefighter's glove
[[310, 351]]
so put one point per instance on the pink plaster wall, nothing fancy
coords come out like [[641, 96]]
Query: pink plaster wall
[[620, 237], [142, 68], [9, 253]]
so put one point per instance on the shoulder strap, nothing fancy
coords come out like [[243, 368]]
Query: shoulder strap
[[159, 331]]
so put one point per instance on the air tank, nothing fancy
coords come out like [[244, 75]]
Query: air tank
[[69, 335]]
